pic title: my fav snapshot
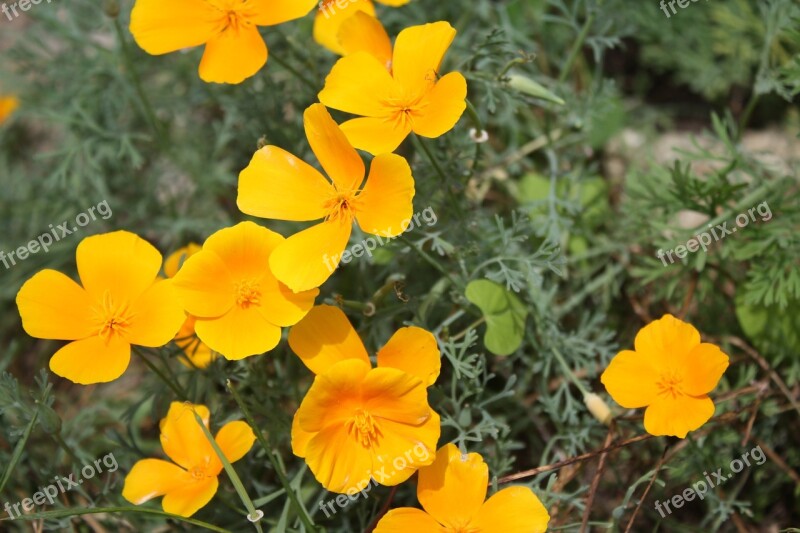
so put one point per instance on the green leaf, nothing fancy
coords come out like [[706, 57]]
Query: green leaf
[[505, 315]]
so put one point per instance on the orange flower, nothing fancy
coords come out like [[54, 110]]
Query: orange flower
[[278, 185], [410, 98], [671, 373], [364, 33], [333, 13], [189, 484], [239, 305], [8, 104], [122, 302], [196, 354], [356, 422], [452, 491], [234, 49]]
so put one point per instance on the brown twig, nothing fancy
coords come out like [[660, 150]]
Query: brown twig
[[383, 511], [687, 302], [647, 490], [597, 475], [778, 460]]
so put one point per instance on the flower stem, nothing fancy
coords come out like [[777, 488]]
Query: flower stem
[[253, 514], [299, 508], [176, 388]]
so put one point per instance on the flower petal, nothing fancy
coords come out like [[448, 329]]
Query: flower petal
[[453, 488], [174, 262], [705, 365], [239, 333], [280, 186], [330, 17], [280, 305], [333, 397], [405, 448], [205, 285], [325, 337], [160, 28], [337, 156], [196, 353], [407, 519], [666, 341], [415, 351], [182, 438], [512, 510], [393, 3], [151, 478], [376, 135], [92, 360], [244, 249], [677, 416], [157, 315], [339, 462], [300, 437], [442, 107], [274, 12], [52, 306], [631, 380], [361, 85], [392, 394], [307, 259], [235, 439], [188, 499], [418, 53], [119, 265], [233, 55], [387, 199], [365, 33]]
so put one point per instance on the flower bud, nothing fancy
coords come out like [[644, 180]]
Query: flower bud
[[598, 407]]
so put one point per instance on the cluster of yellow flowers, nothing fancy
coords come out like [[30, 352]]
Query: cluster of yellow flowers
[[233, 295]]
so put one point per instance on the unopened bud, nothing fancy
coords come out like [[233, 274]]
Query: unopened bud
[[598, 407]]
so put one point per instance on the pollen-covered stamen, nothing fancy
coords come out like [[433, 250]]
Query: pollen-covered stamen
[[341, 207], [248, 293], [363, 427], [671, 383], [112, 317]]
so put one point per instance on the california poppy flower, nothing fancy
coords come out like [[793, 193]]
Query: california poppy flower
[[410, 98], [120, 302], [196, 354], [359, 423], [8, 104], [277, 185], [330, 17], [228, 286], [364, 33], [234, 48], [452, 491], [670, 373], [191, 480]]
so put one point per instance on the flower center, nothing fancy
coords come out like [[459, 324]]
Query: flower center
[[342, 207], [248, 293], [363, 427], [112, 318], [671, 384]]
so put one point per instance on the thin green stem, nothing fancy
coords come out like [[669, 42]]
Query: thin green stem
[[64, 446], [568, 371], [295, 500], [296, 73], [253, 515], [578, 44], [18, 449], [474, 117], [421, 145], [431, 261], [176, 388]]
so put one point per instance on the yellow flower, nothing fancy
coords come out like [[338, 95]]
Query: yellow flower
[[196, 353], [189, 484], [8, 104], [228, 286], [234, 49], [364, 33], [411, 97], [333, 13], [452, 491], [121, 302], [671, 373], [356, 422], [277, 185]]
